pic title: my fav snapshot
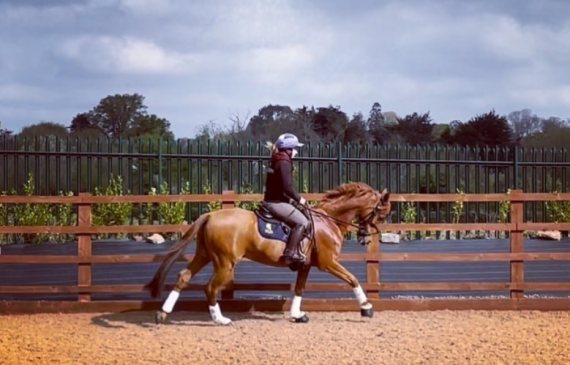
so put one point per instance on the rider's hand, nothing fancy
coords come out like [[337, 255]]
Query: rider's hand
[[303, 201]]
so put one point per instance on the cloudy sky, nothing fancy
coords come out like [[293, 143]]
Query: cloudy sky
[[201, 61]]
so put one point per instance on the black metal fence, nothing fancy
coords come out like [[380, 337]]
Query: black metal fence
[[81, 165]]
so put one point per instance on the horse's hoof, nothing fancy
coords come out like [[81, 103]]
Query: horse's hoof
[[368, 312], [303, 319], [160, 317]]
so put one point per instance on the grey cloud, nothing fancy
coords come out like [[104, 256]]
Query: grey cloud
[[201, 61]]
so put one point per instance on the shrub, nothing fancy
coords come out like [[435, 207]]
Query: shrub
[[247, 189], [64, 216], [213, 205], [409, 215], [167, 213], [108, 214], [32, 215], [558, 212]]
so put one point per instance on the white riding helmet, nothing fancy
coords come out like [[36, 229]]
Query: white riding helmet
[[287, 141]]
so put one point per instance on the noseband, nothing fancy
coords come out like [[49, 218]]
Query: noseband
[[362, 234]]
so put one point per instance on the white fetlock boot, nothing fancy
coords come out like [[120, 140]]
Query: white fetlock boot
[[217, 316]]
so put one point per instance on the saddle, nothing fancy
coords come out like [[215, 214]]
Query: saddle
[[269, 226]]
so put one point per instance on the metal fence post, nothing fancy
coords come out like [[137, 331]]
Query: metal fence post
[[159, 163], [516, 168], [339, 161]]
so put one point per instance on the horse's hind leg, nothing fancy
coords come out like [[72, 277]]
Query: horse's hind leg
[[198, 262], [336, 269], [223, 273]]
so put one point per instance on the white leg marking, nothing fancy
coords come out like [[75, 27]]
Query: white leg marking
[[170, 301], [217, 316], [296, 307], [361, 297]]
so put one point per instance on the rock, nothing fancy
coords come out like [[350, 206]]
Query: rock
[[390, 238], [550, 235], [156, 239]]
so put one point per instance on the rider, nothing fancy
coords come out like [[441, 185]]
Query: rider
[[280, 194]]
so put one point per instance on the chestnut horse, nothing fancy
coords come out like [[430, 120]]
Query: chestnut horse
[[226, 236]]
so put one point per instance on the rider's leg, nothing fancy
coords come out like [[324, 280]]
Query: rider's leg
[[292, 250], [299, 224]]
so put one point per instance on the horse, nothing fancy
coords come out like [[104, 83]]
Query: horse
[[225, 237]]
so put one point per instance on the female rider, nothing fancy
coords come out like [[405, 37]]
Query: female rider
[[280, 194]]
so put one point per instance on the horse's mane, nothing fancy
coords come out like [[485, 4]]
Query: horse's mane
[[344, 192]]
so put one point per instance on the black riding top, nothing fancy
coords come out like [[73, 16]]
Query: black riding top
[[279, 183]]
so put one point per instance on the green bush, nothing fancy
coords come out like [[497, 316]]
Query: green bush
[[504, 210], [109, 214], [4, 220], [64, 216], [409, 215], [247, 189], [32, 215], [166, 213], [213, 205], [558, 212]]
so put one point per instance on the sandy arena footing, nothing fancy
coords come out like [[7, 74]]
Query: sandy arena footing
[[437, 337]]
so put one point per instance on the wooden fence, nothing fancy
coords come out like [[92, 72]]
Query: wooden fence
[[373, 258]]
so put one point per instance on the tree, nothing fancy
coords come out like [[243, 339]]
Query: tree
[[120, 116], [303, 124], [555, 133], [356, 130], [44, 129], [414, 128], [487, 129], [524, 124], [150, 125], [82, 125], [4, 132], [270, 122], [330, 123], [376, 124], [116, 114]]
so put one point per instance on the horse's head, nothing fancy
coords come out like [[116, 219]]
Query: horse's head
[[373, 214], [358, 202]]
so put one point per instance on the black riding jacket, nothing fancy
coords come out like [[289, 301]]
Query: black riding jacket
[[279, 183]]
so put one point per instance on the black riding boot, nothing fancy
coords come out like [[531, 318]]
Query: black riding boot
[[292, 253]]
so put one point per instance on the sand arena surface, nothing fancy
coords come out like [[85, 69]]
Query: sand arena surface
[[438, 337]]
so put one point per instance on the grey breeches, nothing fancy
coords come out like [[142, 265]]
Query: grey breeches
[[288, 214]]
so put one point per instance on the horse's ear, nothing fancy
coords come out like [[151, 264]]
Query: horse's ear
[[385, 196]]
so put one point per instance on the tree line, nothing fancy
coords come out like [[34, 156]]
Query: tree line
[[126, 116]]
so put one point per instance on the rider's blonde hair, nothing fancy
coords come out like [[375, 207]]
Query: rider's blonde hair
[[272, 147]]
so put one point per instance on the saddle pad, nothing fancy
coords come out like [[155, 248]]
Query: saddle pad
[[272, 230]]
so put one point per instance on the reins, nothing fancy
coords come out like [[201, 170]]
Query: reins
[[361, 226]]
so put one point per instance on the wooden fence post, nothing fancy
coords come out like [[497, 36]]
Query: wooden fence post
[[373, 267], [517, 244], [84, 249], [228, 202]]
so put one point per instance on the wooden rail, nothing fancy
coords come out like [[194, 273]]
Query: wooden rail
[[373, 257]]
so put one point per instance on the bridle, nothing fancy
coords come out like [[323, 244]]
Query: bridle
[[362, 231]]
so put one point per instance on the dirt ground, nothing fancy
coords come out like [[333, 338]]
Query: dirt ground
[[438, 337]]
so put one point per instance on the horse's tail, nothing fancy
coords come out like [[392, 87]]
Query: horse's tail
[[157, 282]]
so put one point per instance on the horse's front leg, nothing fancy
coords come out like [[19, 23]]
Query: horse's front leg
[[297, 315], [335, 268]]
